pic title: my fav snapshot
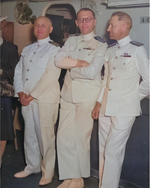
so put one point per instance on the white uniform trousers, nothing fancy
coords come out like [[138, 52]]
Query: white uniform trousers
[[73, 139], [39, 138], [113, 135]]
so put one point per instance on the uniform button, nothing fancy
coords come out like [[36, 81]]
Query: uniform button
[[38, 45], [82, 40], [116, 57], [30, 60], [111, 78], [88, 54], [109, 89], [114, 68], [79, 49], [34, 53], [123, 63], [27, 79], [27, 69]]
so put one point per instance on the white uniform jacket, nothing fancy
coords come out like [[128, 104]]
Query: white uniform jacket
[[81, 84], [36, 73], [121, 91]]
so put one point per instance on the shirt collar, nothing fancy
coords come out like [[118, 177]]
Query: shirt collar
[[88, 36], [43, 41], [124, 41]]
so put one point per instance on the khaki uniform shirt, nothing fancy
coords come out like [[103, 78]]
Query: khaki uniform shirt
[[81, 84]]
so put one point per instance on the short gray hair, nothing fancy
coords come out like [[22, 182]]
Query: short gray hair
[[123, 16]]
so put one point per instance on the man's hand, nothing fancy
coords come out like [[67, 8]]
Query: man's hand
[[23, 98], [29, 98], [95, 112], [82, 63]]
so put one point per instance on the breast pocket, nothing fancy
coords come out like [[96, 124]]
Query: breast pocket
[[127, 64], [88, 54]]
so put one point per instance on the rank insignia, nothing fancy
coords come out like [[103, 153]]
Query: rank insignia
[[100, 39], [125, 55], [88, 48], [113, 44], [136, 43]]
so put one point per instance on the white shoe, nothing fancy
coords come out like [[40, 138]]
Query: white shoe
[[76, 183], [45, 181], [22, 174], [64, 184]]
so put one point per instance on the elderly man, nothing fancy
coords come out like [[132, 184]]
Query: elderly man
[[83, 57], [36, 83], [119, 99]]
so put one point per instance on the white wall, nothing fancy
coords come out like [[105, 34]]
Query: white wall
[[139, 32]]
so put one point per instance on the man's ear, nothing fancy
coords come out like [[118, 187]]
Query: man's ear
[[51, 29], [124, 27], [76, 23]]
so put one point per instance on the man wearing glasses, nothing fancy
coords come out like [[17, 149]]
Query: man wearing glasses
[[83, 57]]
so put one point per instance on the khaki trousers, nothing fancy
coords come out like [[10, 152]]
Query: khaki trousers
[[39, 138], [113, 135], [73, 139]]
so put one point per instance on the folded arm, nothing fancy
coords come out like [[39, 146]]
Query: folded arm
[[95, 66]]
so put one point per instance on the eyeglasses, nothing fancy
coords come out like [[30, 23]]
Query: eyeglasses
[[87, 20]]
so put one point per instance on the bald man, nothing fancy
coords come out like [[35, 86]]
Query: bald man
[[36, 83]]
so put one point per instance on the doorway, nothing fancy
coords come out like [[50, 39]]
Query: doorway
[[63, 20]]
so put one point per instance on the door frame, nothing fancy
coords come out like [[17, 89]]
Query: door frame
[[76, 5]]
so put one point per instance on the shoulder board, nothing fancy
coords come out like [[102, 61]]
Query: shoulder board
[[54, 43], [110, 45], [136, 43], [76, 34], [100, 39]]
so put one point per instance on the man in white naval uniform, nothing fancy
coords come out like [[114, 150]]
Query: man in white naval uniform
[[119, 100], [36, 83], [83, 57]]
